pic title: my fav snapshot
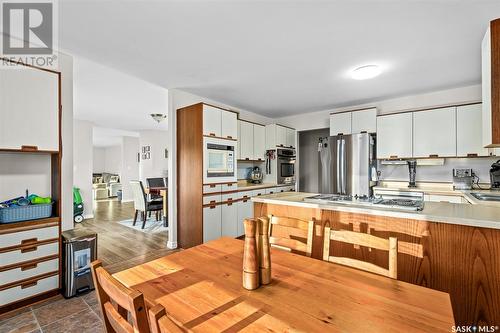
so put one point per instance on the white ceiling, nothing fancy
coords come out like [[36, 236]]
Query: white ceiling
[[279, 58]]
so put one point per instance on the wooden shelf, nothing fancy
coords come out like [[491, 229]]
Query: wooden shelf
[[22, 151], [7, 228]]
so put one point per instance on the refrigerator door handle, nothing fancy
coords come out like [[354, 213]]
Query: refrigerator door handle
[[338, 153], [344, 168]]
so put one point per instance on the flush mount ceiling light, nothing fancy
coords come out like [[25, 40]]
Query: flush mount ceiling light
[[366, 72], [158, 117]]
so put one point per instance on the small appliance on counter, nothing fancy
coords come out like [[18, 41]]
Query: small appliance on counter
[[412, 170], [79, 250], [255, 175], [495, 176], [462, 179]]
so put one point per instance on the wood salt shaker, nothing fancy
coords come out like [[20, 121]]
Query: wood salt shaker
[[250, 257], [264, 251]]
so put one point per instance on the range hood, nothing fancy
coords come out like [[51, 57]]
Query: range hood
[[490, 52]]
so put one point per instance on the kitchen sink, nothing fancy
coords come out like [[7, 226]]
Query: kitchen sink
[[486, 196]]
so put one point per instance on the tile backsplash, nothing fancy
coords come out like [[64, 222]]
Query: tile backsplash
[[440, 173], [245, 167]]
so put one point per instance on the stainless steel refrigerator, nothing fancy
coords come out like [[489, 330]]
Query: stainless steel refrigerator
[[347, 164]]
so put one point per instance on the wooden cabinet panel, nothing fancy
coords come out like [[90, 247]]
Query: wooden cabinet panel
[[229, 125], [434, 133], [212, 121], [364, 121], [212, 228], [259, 142], [394, 136], [246, 140], [469, 131], [29, 109], [340, 123]]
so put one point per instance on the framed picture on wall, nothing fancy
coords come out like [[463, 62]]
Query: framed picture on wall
[[166, 153], [148, 156]]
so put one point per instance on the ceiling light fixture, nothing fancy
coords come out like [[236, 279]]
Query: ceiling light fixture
[[159, 117], [366, 72]]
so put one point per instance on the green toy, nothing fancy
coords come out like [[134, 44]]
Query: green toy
[[77, 205]]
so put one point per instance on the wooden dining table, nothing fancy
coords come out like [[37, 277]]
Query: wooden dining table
[[201, 288], [163, 191]]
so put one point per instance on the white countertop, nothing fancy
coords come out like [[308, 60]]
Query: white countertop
[[461, 214]]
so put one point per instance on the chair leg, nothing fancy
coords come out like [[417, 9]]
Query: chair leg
[[144, 219], [135, 217]]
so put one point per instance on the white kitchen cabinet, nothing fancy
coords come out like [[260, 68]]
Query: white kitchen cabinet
[[245, 211], [259, 142], [364, 121], [290, 137], [212, 227], [212, 121], [340, 123], [271, 190], [469, 131], [281, 136], [229, 219], [29, 109], [229, 125], [434, 133], [246, 140], [394, 136]]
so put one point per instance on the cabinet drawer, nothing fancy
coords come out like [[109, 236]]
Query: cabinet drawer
[[13, 257], [212, 188], [245, 195], [230, 197], [258, 193], [14, 239], [213, 198], [229, 187], [271, 190], [21, 292], [28, 271]]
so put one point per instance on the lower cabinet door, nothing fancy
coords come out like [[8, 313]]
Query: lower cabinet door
[[230, 219], [211, 223], [245, 211], [29, 289]]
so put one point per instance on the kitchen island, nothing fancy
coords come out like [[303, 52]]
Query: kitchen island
[[449, 247]]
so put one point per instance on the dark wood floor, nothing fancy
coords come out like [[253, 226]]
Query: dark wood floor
[[120, 247]]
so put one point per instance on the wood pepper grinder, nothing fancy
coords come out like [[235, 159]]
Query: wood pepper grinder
[[250, 257], [264, 251]]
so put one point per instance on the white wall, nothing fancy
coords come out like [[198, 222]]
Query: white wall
[[83, 163], [157, 165], [320, 119], [99, 160], [113, 159], [130, 165]]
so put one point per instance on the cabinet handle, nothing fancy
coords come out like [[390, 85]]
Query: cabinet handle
[[212, 207], [29, 249], [29, 148], [211, 134], [28, 285], [340, 133], [229, 184], [259, 159], [27, 242], [28, 267], [246, 158], [259, 194], [212, 202], [245, 200], [393, 156], [433, 155], [472, 155], [229, 137], [229, 203], [212, 185]]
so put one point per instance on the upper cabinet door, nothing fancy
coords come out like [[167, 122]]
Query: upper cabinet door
[[259, 142], [364, 121], [394, 136], [434, 133], [29, 109], [469, 131], [212, 121], [290, 137], [246, 140], [281, 136], [340, 123], [229, 125]]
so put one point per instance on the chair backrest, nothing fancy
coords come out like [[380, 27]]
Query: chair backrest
[[361, 239], [139, 195], [156, 182], [302, 229], [118, 302], [161, 322]]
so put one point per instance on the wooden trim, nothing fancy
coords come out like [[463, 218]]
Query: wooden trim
[[226, 183], [219, 137], [286, 126], [20, 63], [25, 302], [355, 110], [251, 122], [29, 246], [495, 81], [29, 225], [430, 108], [249, 160], [218, 107], [24, 283], [28, 151], [28, 263]]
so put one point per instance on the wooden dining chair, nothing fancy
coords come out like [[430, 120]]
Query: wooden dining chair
[[118, 302], [367, 240], [161, 322], [301, 230]]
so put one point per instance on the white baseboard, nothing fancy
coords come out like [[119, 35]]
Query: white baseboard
[[128, 200], [172, 245]]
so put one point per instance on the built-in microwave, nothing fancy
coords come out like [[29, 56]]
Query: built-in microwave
[[219, 160]]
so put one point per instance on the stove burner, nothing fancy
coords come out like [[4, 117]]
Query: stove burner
[[399, 202]]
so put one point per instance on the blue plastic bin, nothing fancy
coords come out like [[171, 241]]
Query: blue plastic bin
[[25, 213]]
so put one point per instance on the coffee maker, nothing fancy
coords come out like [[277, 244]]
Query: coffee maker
[[495, 176], [412, 171]]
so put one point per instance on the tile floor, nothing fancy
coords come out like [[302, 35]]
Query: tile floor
[[56, 315]]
